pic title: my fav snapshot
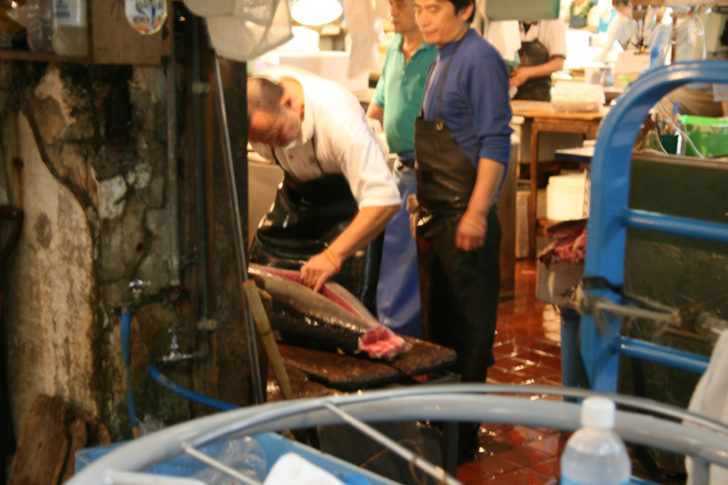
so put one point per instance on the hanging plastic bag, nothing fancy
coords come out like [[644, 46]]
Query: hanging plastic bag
[[244, 29]]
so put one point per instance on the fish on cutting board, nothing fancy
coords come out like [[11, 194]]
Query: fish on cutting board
[[333, 319]]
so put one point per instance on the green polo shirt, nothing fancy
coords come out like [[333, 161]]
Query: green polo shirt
[[400, 90]]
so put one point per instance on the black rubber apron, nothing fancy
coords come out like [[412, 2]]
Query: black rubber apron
[[534, 53], [306, 215], [458, 289], [305, 218]]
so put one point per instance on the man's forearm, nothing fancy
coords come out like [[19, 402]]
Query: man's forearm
[[366, 225], [545, 69], [487, 179], [375, 112]]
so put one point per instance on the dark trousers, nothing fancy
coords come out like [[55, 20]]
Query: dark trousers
[[459, 291]]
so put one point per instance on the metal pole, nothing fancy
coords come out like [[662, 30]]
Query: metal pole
[[239, 245], [438, 473]]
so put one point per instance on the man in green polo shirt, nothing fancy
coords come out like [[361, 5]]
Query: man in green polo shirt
[[395, 105]]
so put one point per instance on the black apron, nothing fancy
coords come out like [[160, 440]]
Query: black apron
[[534, 53], [305, 218], [579, 20], [459, 290]]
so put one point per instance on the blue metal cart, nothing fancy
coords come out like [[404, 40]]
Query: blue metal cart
[[610, 217]]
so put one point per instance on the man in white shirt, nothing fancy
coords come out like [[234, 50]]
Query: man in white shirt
[[316, 131], [543, 51]]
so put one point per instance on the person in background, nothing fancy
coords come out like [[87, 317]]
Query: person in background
[[395, 106], [462, 147], [316, 131], [542, 52], [583, 14], [621, 29]]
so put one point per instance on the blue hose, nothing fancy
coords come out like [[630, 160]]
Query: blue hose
[[126, 361], [188, 394]]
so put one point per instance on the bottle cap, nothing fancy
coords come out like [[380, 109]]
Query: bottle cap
[[597, 412]]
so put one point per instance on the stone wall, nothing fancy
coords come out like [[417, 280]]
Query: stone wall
[[83, 154]]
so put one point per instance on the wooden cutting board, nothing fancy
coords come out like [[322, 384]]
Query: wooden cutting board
[[343, 372], [347, 372]]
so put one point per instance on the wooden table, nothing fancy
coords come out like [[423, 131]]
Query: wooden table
[[315, 372], [544, 119]]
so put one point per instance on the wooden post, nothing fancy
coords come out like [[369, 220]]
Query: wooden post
[[266, 335]]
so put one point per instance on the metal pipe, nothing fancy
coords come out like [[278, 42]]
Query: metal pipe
[[681, 226], [242, 264], [114, 477], [438, 473], [661, 354], [200, 222], [467, 402], [207, 460], [172, 196]]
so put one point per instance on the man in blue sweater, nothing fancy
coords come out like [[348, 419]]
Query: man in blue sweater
[[462, 146]]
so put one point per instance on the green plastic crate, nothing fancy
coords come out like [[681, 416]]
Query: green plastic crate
[[710, 135]]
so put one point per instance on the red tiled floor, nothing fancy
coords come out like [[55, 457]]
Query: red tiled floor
[[527, 350]]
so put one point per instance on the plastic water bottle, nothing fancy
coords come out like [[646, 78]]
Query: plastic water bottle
[[70, 32], [595, 454], [39, 25]]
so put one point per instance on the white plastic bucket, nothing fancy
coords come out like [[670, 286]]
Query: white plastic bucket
[[567, 197]]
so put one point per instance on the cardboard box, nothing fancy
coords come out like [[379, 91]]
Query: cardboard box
[[560, 283]]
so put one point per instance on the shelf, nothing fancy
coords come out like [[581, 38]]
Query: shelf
[[21, 55], [111, 40]]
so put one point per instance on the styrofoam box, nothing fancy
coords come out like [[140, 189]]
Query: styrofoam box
[[567, 197]]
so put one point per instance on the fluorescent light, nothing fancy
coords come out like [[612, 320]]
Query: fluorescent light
[[316, 12]]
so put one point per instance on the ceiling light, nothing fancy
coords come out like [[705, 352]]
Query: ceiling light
[[316, 12]]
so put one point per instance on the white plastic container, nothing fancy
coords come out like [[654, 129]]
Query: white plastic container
[[567, 197], [70, 31], [595, 454]]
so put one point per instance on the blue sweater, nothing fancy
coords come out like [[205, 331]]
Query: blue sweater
[[475, 104]]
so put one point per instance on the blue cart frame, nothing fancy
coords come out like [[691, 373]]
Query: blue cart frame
[[610, 217]]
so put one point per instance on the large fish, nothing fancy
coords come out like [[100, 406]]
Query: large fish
[[333, 319]]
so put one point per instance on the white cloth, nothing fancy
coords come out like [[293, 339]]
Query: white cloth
[[291, 468], [241, 31], [344, 144], [551, 33], [505, 37], [360, 18], [710, 399]]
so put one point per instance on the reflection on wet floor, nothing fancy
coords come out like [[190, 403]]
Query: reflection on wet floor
[[527, 351]]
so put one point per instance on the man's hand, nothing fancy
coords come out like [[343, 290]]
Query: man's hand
[[413, 207], [316, 272], [519, 76], [470, 234]]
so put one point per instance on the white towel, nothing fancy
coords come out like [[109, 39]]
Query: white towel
[[710, 399]]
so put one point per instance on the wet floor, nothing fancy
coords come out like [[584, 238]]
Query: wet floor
[[527, 351]]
